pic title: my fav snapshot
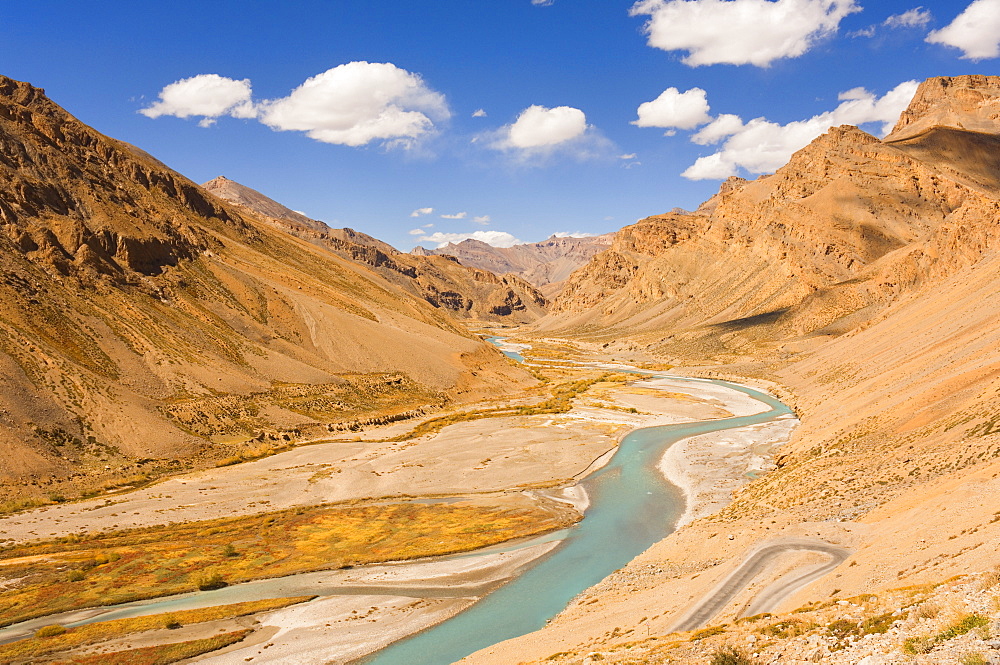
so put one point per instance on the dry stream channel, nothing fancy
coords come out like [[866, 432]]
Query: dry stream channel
[[631, 507]]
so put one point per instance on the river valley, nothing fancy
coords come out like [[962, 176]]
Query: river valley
[[627, 501]]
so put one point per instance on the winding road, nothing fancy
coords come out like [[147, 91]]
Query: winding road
[[755, 562]]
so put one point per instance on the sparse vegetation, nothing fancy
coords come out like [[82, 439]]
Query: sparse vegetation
[[35, 648], [50, 631], [879, 624], [161, 654], [787, 628], [961, 627], [560, 400], [973, 658], [730, 655], [211, 582], [708, 632], [354, 397], [156, 561], [919, 644]]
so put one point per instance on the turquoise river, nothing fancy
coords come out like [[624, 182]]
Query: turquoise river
[[631, 507]]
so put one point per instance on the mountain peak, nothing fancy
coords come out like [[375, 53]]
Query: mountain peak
[[969, 102], [241, 195]]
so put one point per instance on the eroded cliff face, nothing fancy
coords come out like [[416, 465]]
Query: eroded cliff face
[[970, 103], [148, 324]]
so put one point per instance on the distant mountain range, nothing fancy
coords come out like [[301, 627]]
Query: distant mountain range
[[545, 264]]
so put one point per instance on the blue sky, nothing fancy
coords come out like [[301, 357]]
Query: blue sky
[[592, 113]]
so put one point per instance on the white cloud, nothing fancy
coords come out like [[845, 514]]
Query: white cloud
[[208, 95], [479, 113], [630, 155], [495, 238], [683, 110], [457, 215], [976, 31], [357, 103], [352, 104], [542, 3], [863, 32], [540, 127], [740, 32], [761, 146], [484, 220], [539, 134], [575, 234], [421, 211], [859, 92], [726, 124], [917, 17], [417, 232]]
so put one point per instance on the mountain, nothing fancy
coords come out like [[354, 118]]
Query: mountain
[[463, 292], [860, 282], [147, 325], [252, 200], [545, 264], [822, 246]]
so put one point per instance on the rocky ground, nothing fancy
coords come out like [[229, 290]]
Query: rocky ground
[[955, 622]]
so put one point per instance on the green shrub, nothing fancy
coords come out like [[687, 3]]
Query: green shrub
[[708, 632], [729, 655], [964, 625], [75, 576], [972, 658], [842, 628], [917, 645], [50, 631], [753, 618], [210, 582], [787, 628], [877, 624]]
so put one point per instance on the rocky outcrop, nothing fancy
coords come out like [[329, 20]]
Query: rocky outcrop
[[970, 103]]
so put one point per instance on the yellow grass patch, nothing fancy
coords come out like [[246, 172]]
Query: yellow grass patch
[[35, 647], [110, 568], [161, 654]]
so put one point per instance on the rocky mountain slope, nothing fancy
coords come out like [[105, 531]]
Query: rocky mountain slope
[[463, 292], [860, 283], [849, 225], [147, 325], [545, 264]]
